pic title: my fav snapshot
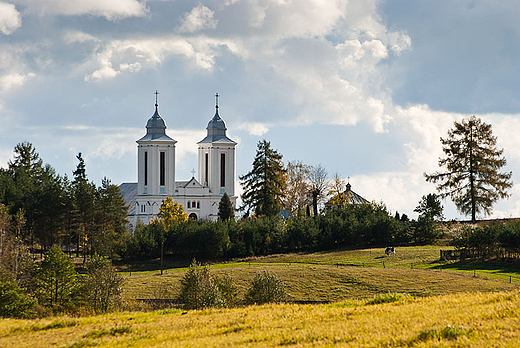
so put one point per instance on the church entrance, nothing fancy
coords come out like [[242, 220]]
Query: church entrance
[[193, 216]]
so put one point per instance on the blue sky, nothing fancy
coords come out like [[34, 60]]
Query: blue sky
[[365, 88]]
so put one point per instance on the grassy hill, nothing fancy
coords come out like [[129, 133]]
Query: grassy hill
[[337, 275], [456, 320]]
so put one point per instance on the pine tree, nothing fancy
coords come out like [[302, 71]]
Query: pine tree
[[56, 278], [111, 213], [225, 209], [430, 206], [472, 163], [84, 196], [264, 184]]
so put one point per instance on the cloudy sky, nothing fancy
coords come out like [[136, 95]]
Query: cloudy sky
[[363, 87]]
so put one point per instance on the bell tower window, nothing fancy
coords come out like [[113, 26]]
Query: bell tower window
[[162, 168], [222, 170], [145, 168], [206, 159]]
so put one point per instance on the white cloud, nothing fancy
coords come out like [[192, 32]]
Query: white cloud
[[255, 128], [14, 80], [186, 145], [115, 57], [111, 10], [74, 36], [294, 18], [199, 18], [351, 52], [10, 18]]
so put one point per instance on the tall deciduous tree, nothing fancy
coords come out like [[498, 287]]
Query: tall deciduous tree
[[337, 191], [170, 212], [471, 176], [264, 184], [297, 189]]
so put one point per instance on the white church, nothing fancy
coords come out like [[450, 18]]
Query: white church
[[156, 173]]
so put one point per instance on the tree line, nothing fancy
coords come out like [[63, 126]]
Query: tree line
[[41, 208], [351, 226]]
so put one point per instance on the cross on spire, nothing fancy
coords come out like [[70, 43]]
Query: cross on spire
[[216, 100], [156, 94], [193, 172]]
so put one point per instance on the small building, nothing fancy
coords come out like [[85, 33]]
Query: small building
[[156, 179], [347, 197]]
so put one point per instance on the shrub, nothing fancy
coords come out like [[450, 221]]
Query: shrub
[[228, 290], [199, 289], [13, 302], [102, 285], [266, 287]]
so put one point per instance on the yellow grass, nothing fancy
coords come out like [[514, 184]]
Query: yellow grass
[[457, 320]]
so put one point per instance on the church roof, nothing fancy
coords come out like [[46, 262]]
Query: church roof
[[354, 198], [216, 129], [350, 197], [156, 128], [190, 183], [129, 191]]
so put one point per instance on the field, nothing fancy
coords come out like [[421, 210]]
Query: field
[[457, 320], [351, 298], [341, 275]]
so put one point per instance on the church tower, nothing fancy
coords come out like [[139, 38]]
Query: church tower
[[156, 159], [217, 157]]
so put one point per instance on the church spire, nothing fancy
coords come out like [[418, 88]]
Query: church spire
[[217, 116], [156, 104]]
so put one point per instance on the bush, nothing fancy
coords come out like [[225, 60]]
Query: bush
[[13, 302], [266, 287], [228, 290], [199, 289], [102, 285]]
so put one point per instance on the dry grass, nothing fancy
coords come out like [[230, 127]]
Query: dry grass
[[457, 320]]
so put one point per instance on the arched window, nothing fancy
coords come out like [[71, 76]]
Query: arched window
[[198, 204], [192, 216], [189, 205], [193, 204]]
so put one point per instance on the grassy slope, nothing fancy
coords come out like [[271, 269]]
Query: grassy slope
[[462, 320], [313, 277]]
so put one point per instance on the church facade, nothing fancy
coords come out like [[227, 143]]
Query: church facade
[[156, 179]]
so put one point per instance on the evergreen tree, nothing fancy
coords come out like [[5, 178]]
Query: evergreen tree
[[225, 209], [264, 184], [430, 206], [56, 279], [471, 177], [84, 196], [110, 224]]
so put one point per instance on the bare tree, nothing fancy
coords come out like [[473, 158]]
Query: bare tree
[[318, 186]]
